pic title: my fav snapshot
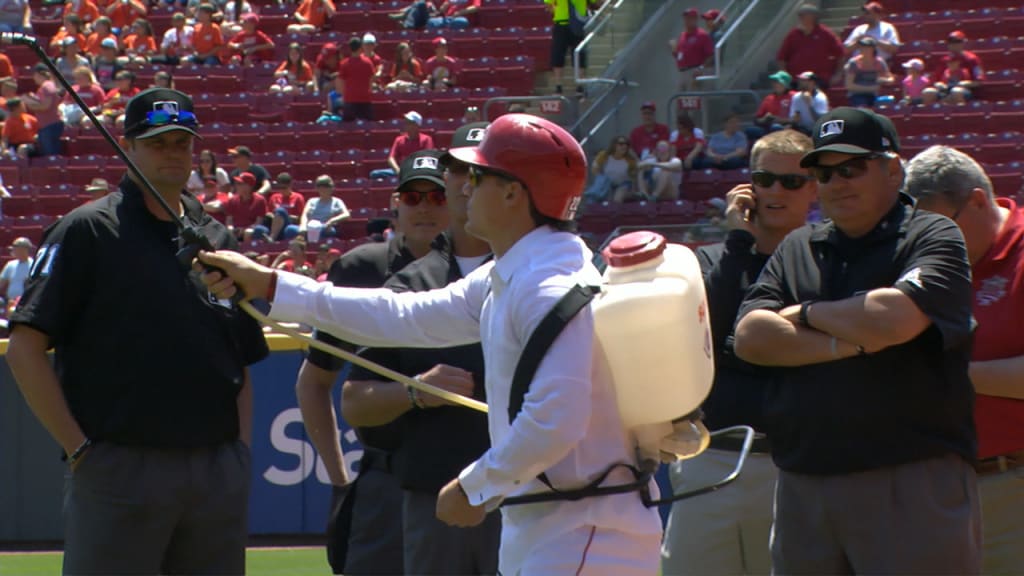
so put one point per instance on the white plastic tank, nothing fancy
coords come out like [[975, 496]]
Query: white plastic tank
[[651, 321]]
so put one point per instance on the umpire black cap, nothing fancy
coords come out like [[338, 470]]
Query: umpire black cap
[[421, 165], [159, 110], [852, 131], [468, 135]]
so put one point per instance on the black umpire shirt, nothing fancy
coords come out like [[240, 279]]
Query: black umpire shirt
[[365, 266], [905, 403], [437, 443], [729, 269], [146, 356]]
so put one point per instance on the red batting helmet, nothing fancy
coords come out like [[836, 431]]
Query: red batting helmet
[[540, 154]]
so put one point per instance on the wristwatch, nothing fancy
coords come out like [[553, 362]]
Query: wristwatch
[[802, 317]]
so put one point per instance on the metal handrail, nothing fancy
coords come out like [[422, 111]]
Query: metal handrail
[[720, 45], [590, 36], [705, 94], [604, 119]]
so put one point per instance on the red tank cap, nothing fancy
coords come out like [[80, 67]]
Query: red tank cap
[[634, 248]]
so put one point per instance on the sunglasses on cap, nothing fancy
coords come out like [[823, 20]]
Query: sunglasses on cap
[[476, 175], [158, 118], [851, 169], [765, 179], [434, 197]]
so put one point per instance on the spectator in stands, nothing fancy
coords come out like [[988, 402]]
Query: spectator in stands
[[812, 46], [687, 141], [90, 92], [809, 103], [773, 113], [415, 15], [70, 58], [471, 115], [914, 82], [294, 259], [206, 37], [715, 22], [566, 34], [370, 51], [177, 41], [163, 79], [15, 16], [242, 158], [6, 69], [116, 100], [19, 132], [213, 199], [285, 211], [955, 82], [15, 272], [968, 60], [230, 17], [207, 168], [4, 194], [101, 30], [930, 96], [123, 12], [45, 105], [251, 45], [454, 14], [355, 83], [661, 174], [139, 44], [409, 141], [324, 212], [726, 150], [885, 35], [311, 16], [245, 209], [72, 28], [866, 73], [325, 69], [294, 73], [98, 188], [406, 71], [646, 136], [8, 90], [325, 258], [615, 172], [692, 50], [106, 65], [441, 69], [86, 10]]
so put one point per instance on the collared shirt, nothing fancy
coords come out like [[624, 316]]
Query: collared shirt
[[644, 140], [819, 52], [998, 280], [693, 49], [907, 402], [881, 31], [569, 426]]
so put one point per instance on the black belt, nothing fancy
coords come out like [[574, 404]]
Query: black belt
[[761, 444]]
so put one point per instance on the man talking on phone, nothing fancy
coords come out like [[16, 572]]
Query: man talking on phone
[[734, 525]]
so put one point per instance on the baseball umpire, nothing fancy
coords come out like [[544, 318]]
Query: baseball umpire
[[149, 396]]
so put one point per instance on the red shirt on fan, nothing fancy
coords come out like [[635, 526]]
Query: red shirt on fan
[[693, 49], [644, 142], [404, 146], [357, 73], [244, 214], [293, 204], [998, 281], [775, 105], [245, 39], [820, 52]]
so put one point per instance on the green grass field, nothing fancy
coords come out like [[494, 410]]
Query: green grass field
[[259, 562]]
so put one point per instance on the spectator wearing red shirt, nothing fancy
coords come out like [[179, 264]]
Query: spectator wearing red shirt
[[970, 61], [251, 45], [206, 37], [687, 141], [441, 69], [412, 140], [214, 201], [116, 99], [100, 32], [355, 82], [715, 22], [86, 10], [286, 206], [645, 137], [123, 12], [294, 73], [140, 45], [951, 183], [311, 16], [692, 49], [20, 131], [90, 92], [72, 28], [455, 14], [812, 47], [6, 69], [406, 71], [773, 113], [245, 209], [294, 259], [325, 68], [45, 105]]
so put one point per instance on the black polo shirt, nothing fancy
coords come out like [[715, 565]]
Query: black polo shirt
[[145, 354], [437, 443], [730, 268], [366, 266], [905, 403]]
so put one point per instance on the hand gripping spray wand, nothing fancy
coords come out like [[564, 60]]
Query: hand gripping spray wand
[[193, 241]]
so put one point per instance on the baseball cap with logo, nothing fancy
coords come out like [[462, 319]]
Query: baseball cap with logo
[[246, 178], [369, 38], [240, 151], [782, 77], [956, 36], [852, 131], [414, 117], [439, 41], [648, 105], [466, 136], [159, 110], [711, 15], [421, 165], [914, 64]]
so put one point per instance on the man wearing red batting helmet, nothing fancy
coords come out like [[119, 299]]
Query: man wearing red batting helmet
[[526, 179]]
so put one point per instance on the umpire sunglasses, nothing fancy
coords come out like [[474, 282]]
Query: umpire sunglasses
[[435, 197]]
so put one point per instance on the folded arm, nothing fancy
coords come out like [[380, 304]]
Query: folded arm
[[1003, 377]]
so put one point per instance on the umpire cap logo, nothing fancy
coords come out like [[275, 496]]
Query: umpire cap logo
[[168, 106], [475, 135], [832, 128], [425, 163]]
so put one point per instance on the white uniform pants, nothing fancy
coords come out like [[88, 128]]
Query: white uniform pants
[[591, 551]]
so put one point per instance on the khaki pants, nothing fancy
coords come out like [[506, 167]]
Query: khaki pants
[[1002, 521]]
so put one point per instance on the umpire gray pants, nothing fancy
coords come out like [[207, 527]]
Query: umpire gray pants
[[130, 510], [920, 518], [375, 537], [435, 548]]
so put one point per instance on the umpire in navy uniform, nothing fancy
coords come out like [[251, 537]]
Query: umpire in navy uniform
[[437, 439], [868, 316], [150, 395]]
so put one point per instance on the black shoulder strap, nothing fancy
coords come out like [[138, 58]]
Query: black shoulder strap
[[542, 339]]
